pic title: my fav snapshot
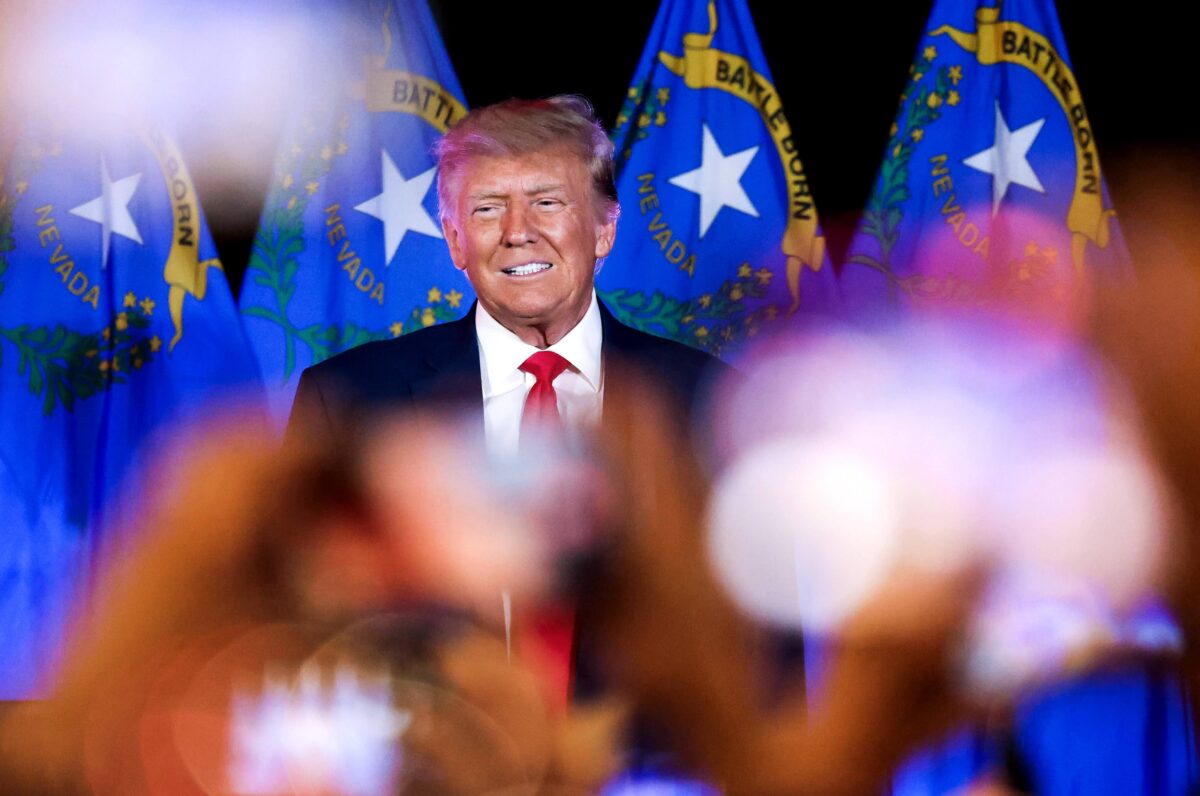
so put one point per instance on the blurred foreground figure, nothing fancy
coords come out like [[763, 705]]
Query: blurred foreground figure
[[237, 649], [1152, 335], [685, 652], [323, 620], [249, 645], [852, 466]]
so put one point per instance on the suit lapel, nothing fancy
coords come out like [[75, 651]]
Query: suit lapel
[[452, 367], [624, 352], [619, 340]]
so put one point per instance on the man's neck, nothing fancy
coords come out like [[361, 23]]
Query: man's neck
[[543, 335]]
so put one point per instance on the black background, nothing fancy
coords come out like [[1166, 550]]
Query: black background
[[839, 68]]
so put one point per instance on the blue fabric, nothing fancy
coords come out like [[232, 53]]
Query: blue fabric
[[940, 228], [322, 277], [656, 785], [96, 354], [712, 257], [1115, 732], [948, 766]]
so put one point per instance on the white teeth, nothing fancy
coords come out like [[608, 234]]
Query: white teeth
[[527, 269]]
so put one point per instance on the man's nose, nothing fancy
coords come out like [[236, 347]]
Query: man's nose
[[519, 228]]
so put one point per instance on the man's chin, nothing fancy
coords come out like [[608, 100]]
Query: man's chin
[[545, 319], [528, 310]]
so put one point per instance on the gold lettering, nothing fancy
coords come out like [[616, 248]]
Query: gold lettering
[[674, 250], [995, 41], [365, 280], [408, 92], [969, 231], [78, 283]]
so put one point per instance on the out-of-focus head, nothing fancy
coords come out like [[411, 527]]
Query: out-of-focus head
[[529, 207]]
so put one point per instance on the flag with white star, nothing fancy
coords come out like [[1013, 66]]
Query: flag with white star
[[116, 324], [718, 238], [991, 193], [349, 247], [991, 198]]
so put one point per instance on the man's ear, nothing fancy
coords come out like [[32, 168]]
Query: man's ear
[[453, 243], [606, 235]]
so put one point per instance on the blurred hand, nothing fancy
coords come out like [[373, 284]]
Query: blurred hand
[[687, 655], [254, 555], [1150, 331]]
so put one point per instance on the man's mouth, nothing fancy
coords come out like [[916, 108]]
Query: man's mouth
[[528, 269]]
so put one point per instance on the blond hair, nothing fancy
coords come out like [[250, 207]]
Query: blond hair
[[521, 127]]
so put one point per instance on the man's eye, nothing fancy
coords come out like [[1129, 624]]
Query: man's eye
[[486, 211], [548, 204]]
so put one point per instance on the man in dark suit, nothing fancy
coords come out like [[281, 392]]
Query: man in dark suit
[[529, 211]]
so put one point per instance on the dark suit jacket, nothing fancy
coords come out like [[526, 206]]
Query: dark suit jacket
[[440, 366]]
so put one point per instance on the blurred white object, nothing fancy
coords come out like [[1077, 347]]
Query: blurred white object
[[311, 736], [940, 445], [801, 533]]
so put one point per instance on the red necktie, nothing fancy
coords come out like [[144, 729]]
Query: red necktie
[[541, 405], [546, 635]]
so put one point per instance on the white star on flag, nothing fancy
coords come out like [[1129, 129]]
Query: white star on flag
[[718, 181], [400, 206], [1007, 158], [111, 209]]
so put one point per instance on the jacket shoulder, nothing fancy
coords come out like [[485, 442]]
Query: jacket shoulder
[[374, 376], [663, 353], [687, 375], [407, 350]]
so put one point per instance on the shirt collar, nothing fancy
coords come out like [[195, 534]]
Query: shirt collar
[[503, 352]]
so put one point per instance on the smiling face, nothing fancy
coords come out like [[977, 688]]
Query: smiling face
[[527, 230]]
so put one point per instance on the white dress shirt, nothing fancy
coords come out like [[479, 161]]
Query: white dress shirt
[[580, 387]]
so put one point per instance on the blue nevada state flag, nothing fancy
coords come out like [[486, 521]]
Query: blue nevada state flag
[[990, 188], [991, 194], [349, 247], [115, 320], [719, 235]]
